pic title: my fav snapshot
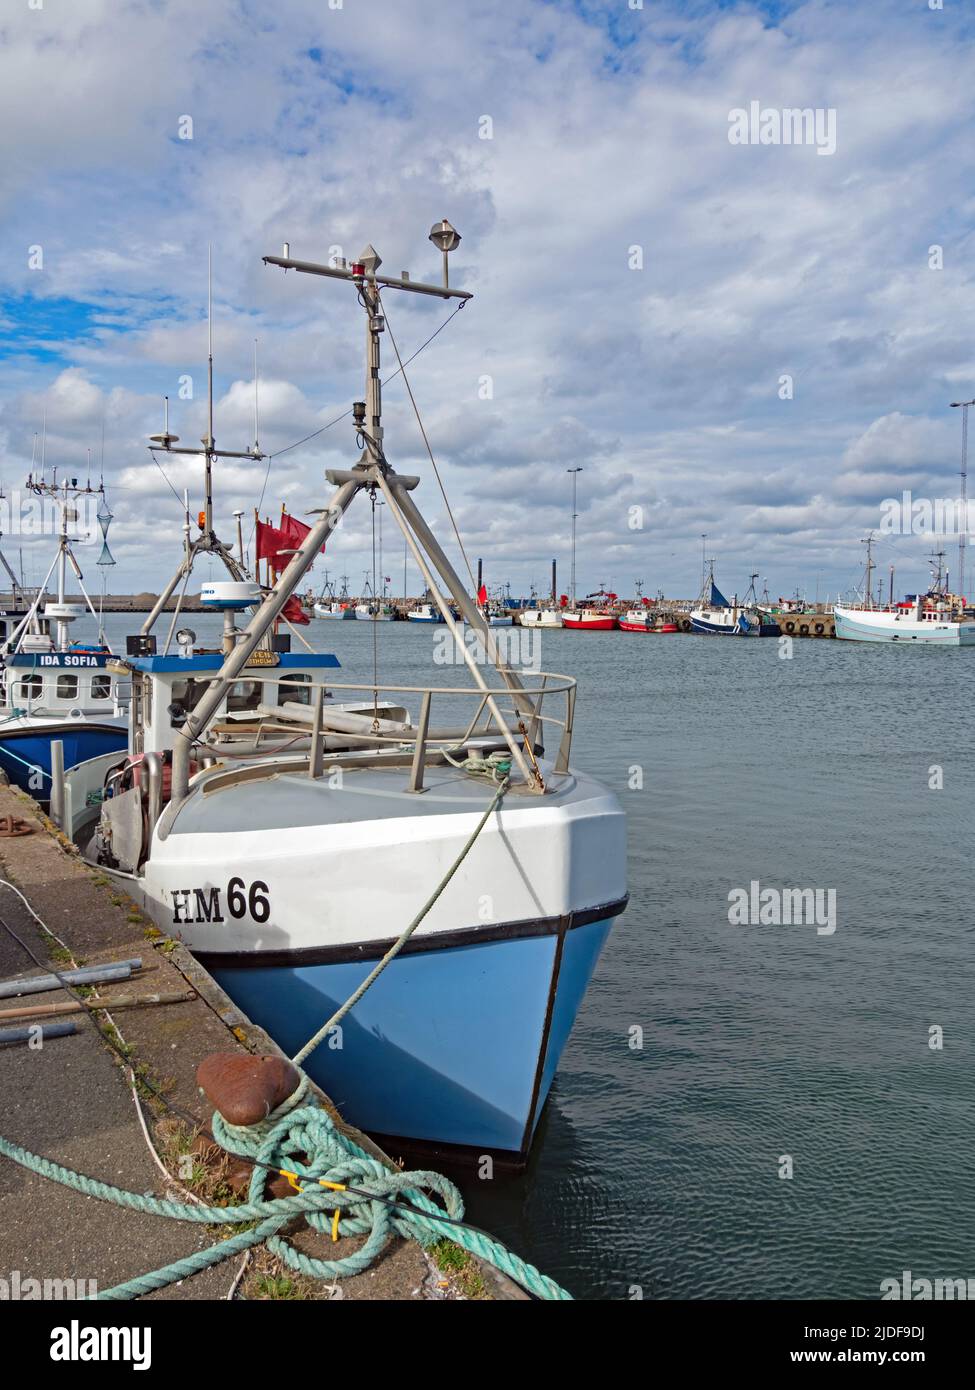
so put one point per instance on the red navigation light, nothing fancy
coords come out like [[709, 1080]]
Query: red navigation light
[[358, 268]]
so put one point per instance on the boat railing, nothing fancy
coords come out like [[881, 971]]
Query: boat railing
[[316, 730]]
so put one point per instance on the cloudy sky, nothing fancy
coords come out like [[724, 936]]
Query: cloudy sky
[[755, 341]]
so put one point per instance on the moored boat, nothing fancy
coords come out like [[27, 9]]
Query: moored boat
[[715, 616], [588, 620], [53, 689], [927, 621], [288, 839], [540, 617]]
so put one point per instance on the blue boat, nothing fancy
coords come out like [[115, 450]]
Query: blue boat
[[68, 696]]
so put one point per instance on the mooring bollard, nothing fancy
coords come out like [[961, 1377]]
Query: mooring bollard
[[246, 1090]]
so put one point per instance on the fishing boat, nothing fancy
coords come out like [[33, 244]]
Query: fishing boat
[[642, 619], [715, 616], [493, 611], [335, 606], [371, 609], [375, 611], [54, 690], [341, 611], [588, 620], [290, 871], [924, 621], [594, 616], [425, 613], [936, 618], [540, 617], [636, 620], [538, 614]]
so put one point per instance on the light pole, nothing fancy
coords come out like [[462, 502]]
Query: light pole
[[963, 528], [572, 577]]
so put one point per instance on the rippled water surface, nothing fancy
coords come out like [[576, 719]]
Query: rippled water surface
[[660, 1167]]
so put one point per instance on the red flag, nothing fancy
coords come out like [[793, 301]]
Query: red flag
[[270, 541], [294, 530], [482, 595], [294, 612]]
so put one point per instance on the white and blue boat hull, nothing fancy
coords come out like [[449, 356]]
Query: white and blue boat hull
[[456, 1044], [453, 1048]]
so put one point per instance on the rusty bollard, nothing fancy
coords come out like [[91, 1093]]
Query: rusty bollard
[[246, 1090]]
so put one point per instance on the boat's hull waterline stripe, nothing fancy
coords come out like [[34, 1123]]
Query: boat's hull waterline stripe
[[346, 953], [456, 1044]]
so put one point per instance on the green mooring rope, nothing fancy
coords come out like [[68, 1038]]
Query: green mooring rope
[[334, 1158], [305, 1128]]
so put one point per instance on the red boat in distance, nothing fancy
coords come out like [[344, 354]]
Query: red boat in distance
[[591, 619]]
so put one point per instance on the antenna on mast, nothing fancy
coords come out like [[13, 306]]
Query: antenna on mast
[[257, 447]]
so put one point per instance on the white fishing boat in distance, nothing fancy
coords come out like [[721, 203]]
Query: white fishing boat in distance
[[934, 619], [540, 617], [926, 621]]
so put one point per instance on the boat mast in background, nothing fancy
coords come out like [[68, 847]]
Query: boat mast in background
[[207, 542], [572, 575], [868, 541], [963, 492]]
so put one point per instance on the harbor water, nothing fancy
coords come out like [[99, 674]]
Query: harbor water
[[710, 1060]]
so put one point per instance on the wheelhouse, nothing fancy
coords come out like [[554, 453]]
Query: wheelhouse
[[70, 683]]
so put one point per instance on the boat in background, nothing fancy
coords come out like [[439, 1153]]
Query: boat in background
[[715, 616], [588, 620], [339, 606], [935, 619], [53, 689], [924, 621], [538, 614], [540, 617], [371, 609], [425, 613], [596, 616]]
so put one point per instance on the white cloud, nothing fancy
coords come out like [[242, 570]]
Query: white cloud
[[326, 127]]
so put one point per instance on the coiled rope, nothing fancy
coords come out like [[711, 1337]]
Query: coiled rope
[[356, 1195]]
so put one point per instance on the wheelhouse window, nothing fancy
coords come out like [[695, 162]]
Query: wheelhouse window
[[186, 695], [30, 688], [244, 695], [67, 688], [289, 691], [101, 687]]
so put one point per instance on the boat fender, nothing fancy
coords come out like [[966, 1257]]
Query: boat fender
[[804, 630], [686, 625], [820, 629], [790, 626]]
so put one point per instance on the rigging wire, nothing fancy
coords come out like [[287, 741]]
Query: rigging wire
[[315, 433], [419, 421]]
